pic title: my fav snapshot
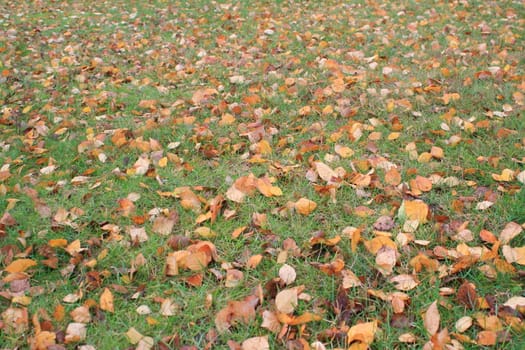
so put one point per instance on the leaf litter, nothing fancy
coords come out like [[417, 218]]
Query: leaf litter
[[291, 175]]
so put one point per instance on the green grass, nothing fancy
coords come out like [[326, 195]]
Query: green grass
[[75, 71]]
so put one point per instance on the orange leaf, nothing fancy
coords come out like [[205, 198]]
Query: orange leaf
[[297, 320], [362, 332], [305, 206], [20, 265], [393, 177], [106, 301], [414, 210], [57, 243], [486, 338]]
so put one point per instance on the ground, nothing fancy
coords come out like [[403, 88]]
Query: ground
[[270, 174]]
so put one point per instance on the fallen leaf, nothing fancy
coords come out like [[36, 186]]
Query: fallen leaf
[[256, 343], [463, 324], [20, 265], [414, 210], [510, 231], [15, 320], [43, 340], [362, 333], [287, 274], [270, 321], [405, 282], [168, 307], [286, 301], [431, 319], [486, 338], [467, 295], [236, 311], [305, 206], [106, 301], [133, 336], [75, 332]]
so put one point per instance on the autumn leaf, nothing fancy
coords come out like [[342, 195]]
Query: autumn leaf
[[106, 301], [363, 333], [305, 206], [432, 319], [286, 301], [256, 343], [20, 265], [414, 210]]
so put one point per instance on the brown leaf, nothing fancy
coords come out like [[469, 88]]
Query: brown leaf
[[431, 319], [236, 311], [467, 295], [106, 301]]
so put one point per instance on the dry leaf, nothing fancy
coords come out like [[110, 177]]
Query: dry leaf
[[133, 336], [463, 324], [168, 307], [15, 320], [515, 302], [256, 343], [81, 314], [510, 231], [286, 301], [287, 274], [43, 340], [106, 301], [514, 255], [362, 332], [325, 172], [234, 278], [75, 332], [305, 206], [20, 265], [350, 280], [270, 321], [236, 311], [486, 338], [431, 319], [414, 210], [405, 282]]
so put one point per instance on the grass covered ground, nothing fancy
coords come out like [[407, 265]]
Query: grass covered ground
[[270, 174]]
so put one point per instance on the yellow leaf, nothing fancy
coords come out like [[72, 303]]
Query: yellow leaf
[[205, 232], [506, 176], [20, 265], [414, 210], [106, 301]]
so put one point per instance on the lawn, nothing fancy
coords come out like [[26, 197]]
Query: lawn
[[262, 175]]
